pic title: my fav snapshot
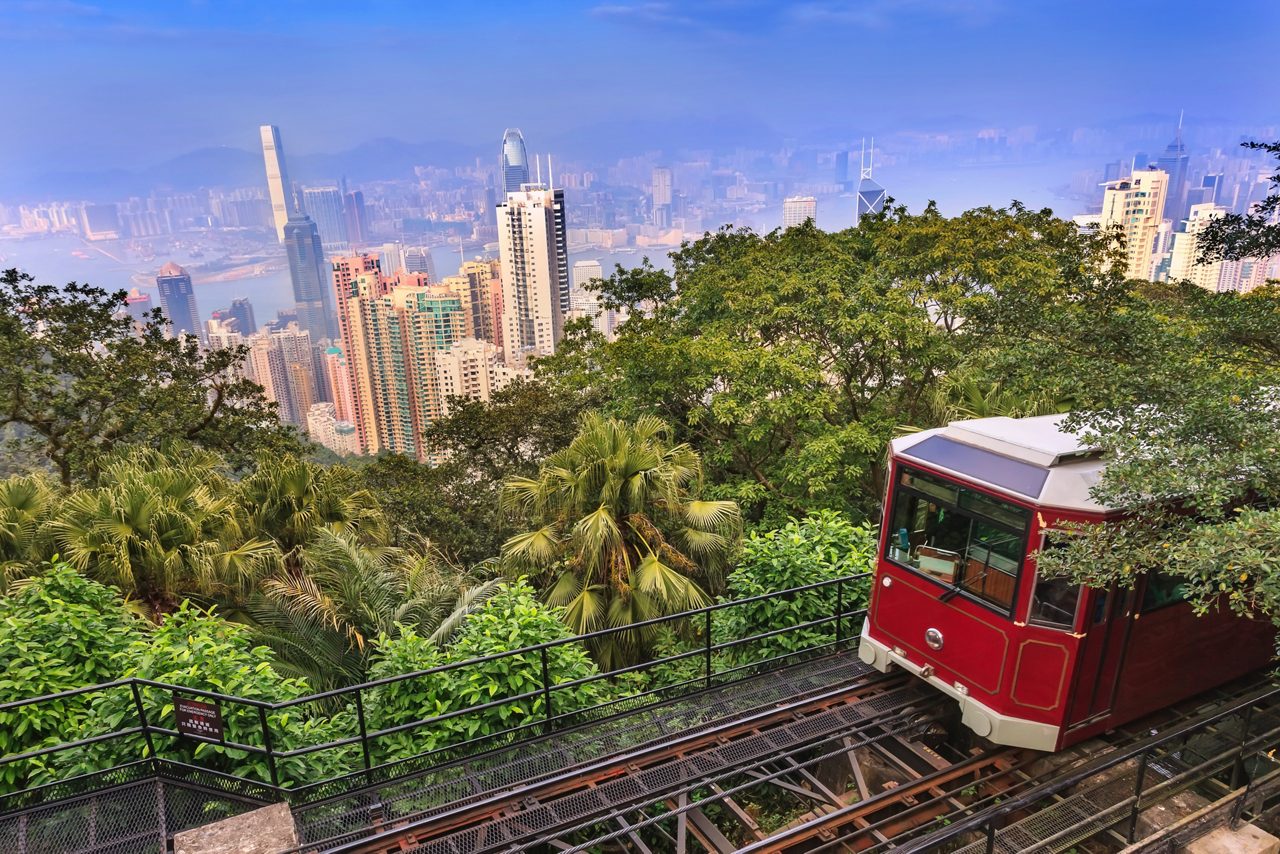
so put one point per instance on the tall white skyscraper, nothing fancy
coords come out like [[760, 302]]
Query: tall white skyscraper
[[278, 186], [533, 271], [1136, 204], [797, 209]]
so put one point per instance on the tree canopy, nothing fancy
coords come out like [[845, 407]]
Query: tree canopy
[[83, 379]]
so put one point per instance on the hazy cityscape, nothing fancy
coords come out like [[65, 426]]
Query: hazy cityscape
[[235, 270], [639, 427]]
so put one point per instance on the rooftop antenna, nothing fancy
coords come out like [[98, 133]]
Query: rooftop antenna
[[864, 170], [551, 178], [1181, 113], [537, 164]]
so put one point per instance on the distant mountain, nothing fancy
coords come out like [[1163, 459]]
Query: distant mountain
[[234, 167]]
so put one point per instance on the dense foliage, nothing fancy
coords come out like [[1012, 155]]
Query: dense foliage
[[170, 528], [821, 547], [81, 380], [622, 534]]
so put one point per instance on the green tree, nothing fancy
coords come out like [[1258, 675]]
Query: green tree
[[456, 510], [621, 533], [160, 528], [81, 380], [290, 501], [789, 360], [25, 502]]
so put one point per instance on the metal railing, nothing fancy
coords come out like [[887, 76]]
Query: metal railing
[[1229, 746], [144, 735]]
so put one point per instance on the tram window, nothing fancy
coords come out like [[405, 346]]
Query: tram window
[[1054, 603], [1162, 589], [957, 536]]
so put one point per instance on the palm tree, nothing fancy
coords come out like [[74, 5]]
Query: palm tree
[[288, 500], [161, 528], [24, 505], [621, 535], [322, 617]]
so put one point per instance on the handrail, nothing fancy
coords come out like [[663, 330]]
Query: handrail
[[993, 817], [548, 718]]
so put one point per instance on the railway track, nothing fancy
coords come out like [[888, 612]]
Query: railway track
[[681, 793]]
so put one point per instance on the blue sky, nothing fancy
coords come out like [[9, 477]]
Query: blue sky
[[126, 84]]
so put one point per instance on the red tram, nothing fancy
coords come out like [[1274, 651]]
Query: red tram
[[1038, 663]]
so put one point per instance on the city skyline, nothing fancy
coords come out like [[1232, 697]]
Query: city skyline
[[937, 55]]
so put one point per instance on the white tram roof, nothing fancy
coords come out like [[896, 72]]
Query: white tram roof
[[1029, 458]]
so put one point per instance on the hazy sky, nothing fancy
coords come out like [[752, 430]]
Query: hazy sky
[[128, 83]]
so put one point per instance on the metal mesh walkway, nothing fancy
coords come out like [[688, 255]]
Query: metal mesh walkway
[[458, 783]]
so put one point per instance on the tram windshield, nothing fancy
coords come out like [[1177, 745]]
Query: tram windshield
[[958, 536]]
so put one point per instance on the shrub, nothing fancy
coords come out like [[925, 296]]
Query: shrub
[[820, 547]]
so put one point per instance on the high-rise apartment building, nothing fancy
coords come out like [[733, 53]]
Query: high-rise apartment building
[[1185, 263], [327, 429], [513, 165], [585, 272], [1136, 204], [796, 210], [281, 361], [278, 186], [311, 291], [535, 275], [220, 333], [476, 285], [470, 368], [325, 206], [178, 300]]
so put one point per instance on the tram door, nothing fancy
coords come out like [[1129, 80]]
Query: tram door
[[1101, 654]]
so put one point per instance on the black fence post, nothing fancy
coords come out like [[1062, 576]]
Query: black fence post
[[546, 691], [1137, 794], [142, 722], [839, 612], [707, 655], [364, 734], [991, 835], [266, 744]]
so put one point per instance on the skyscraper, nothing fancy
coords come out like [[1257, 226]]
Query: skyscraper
[[514, 162], [138, 305], [242, 311], [1174, 164], [662, 197], [535, 278], [871, 196], [796, 210], [1136, 204], [178, 299], [324, 205], [278, 186], [307, 272], [357, 217]]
